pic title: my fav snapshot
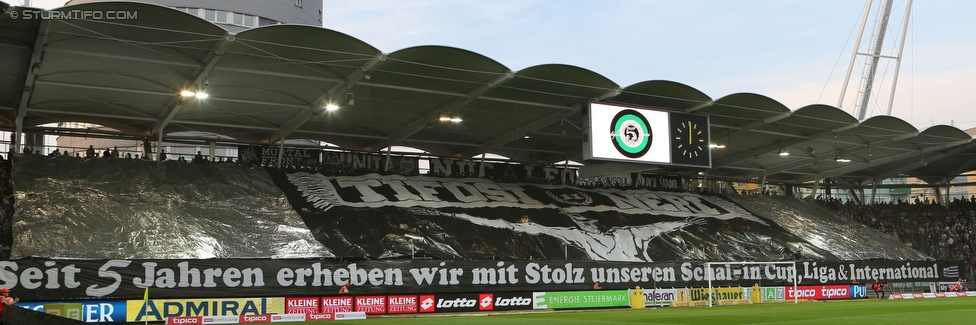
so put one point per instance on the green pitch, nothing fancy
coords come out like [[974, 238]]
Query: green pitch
[[866, 311]]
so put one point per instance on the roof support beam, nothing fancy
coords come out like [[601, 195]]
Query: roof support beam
[[774, 147], [520, 131], [762, 122], [829, 155], [94, 87], [336, 91], [37, 54], [421, 123], [915, 164], [857, 166], [195, 81], [123, 57], [613, 168], [704, 104], [81, 113], [893, 158], [233, 126], [255, 102]]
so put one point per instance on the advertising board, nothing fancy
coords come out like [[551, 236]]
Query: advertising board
[[580, 299]]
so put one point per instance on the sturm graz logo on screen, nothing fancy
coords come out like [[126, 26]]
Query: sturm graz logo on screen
[[630, 133]]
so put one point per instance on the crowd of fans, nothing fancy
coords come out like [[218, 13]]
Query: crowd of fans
[[7, 205], [942, 232]]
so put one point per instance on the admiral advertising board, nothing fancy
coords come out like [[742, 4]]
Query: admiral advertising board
[[641, 135], [159, 309]]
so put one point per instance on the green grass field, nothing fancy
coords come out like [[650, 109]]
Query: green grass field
[[866, 311]]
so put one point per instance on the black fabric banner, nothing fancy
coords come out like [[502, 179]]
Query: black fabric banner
[[377, 216], [267, 156], [43, 279]]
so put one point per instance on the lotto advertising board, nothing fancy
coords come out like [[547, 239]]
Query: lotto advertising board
[[441, 303], [580, 299], [827, 292]]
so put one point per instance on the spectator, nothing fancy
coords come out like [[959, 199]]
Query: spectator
[[90, 152], [198, 159], [942, 232]]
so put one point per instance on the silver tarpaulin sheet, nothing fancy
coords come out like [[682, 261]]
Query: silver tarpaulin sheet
[[845, 238], [134, 209]]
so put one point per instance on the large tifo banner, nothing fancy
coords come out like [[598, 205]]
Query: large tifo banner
[[43, 279]]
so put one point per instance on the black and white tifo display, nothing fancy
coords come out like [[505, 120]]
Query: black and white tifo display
[[641, 135], [391, 216]]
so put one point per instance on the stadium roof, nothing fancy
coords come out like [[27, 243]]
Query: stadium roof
[[272, 83]]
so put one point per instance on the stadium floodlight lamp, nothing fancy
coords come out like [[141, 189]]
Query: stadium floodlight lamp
[[716, 146], [202, 95], [842, 159], [331, 107], [187, 93], [455, 118], [783, 152]]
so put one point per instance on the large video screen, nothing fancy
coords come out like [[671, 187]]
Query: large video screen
[[641, 135]]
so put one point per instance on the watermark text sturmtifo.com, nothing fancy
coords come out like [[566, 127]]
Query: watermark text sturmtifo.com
[[75, 14]]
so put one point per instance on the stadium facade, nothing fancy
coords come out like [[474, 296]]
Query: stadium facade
[[236, 15]]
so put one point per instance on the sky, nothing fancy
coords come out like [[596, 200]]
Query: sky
[[796, 52]]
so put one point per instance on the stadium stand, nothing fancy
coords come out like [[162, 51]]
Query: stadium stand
[[944, 233]]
